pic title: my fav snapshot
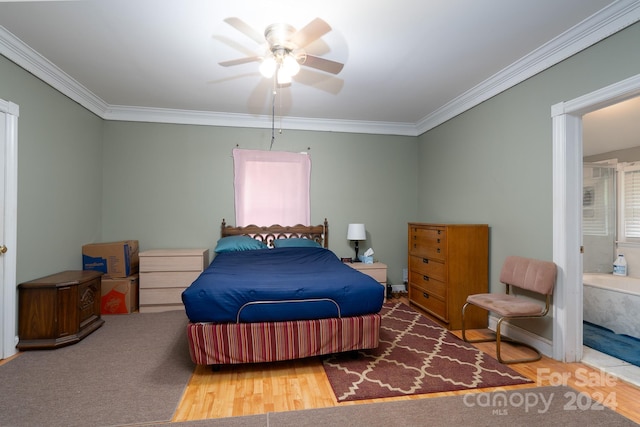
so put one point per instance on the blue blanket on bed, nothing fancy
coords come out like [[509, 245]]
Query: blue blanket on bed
[[280, 284]]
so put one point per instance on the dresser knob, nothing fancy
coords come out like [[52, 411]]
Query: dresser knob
[[426, 295], [425, 278], [424, 260]]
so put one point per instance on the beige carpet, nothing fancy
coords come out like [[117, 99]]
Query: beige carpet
[[133, 369]]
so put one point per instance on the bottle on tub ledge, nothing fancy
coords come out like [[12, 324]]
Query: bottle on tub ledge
[[620, 266]]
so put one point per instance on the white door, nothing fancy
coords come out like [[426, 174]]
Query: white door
[[8, 225]]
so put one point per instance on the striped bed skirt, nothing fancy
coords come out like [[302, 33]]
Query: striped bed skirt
[[231, 343]]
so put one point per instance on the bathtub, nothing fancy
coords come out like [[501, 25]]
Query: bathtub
[[612, 302]]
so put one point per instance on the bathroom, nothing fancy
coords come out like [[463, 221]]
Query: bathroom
[[611, 226]]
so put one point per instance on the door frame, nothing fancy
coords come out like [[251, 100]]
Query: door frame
[[567, 218], [8, 308]]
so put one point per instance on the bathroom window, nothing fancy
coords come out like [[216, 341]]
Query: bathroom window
[[598, 200], [629, 174]]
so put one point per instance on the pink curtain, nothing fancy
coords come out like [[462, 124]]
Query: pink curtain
[[271, 187]]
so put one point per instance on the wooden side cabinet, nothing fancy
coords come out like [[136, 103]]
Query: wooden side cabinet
[[58, 310]]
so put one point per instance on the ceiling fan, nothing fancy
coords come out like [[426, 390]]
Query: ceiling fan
[[285, 51]]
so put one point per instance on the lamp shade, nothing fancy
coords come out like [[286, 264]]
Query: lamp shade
[[356, 232]]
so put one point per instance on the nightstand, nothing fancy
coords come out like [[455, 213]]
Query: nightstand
[[165, 273], [377, 270]]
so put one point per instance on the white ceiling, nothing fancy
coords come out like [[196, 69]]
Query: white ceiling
[[612, 128], [409, 64]]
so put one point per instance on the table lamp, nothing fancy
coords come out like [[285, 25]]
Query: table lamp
[[356, 232]]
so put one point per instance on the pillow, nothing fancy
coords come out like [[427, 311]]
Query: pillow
[[295, 243], [238, 243]]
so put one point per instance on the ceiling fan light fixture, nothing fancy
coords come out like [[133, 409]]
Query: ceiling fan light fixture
[[283, 77], [268, 66], [285, 53], [290, 64]]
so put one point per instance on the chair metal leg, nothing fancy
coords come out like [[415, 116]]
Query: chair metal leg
[[498, 339], [464, 336]]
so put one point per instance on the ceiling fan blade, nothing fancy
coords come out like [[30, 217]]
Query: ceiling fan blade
[[245, 29], [239, 61], [319, 80], [312, 31], [327, 65]]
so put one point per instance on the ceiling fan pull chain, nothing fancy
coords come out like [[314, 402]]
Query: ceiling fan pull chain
[[273, 113], [280, 115]]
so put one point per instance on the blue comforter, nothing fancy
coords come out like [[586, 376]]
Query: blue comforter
[[280, 284]]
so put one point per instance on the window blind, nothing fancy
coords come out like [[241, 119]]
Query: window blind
[[631, 200]]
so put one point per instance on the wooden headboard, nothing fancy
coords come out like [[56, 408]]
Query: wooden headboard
[[317, 233]]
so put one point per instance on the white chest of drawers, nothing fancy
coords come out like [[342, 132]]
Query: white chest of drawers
[[165, 273]]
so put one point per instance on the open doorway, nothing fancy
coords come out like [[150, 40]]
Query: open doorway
[[567, 211], [611, 166]]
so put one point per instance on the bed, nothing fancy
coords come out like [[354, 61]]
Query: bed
[[277, 293]]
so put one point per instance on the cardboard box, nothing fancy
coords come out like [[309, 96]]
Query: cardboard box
[[115, 259], [119, 296]]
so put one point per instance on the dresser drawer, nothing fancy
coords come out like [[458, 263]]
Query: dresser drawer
[[161, 296], [167, 279], [428, 302], [428, 267], [171, 263], [429, 242], [174, 260], [431, 285], [377, 270]]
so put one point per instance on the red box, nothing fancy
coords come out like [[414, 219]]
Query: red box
[[119, 296]]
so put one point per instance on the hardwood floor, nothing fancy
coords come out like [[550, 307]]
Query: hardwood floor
[[302, 384]]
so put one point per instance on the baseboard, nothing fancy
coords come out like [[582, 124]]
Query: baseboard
[[543, 345]]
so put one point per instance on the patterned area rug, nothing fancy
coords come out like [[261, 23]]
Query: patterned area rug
[[415, 356]]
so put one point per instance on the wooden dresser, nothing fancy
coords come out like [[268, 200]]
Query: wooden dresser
[[165, 273], [448, 262], [58, 310]]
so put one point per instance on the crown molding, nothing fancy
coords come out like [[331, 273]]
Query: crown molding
[[17, 51], [606, 22], [597, 27], [207, 118]]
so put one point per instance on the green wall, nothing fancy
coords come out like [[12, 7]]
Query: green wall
[[170, 186], [493, 163], [82, 179], [59, 175]]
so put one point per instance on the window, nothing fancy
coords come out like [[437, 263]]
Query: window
[[271, 187], [629, 202], [599, 199]]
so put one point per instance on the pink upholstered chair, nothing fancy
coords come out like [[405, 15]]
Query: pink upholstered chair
[[517, 272]]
